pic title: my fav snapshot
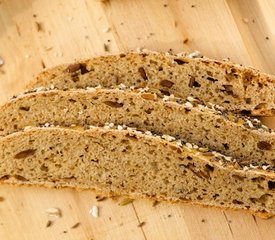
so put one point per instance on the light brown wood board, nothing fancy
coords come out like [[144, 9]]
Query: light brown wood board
[[35, 34]]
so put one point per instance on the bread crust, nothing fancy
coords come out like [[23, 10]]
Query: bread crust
[[235, 87], [257, 186]]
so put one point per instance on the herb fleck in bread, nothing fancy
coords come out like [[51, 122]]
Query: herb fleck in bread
[[232, 86], [210, 126], [119, 160]]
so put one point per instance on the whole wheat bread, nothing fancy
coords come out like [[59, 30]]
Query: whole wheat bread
[[232, 86], [145, 109], [118, 161]]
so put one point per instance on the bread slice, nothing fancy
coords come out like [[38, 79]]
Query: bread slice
[[118, 161], [145, 109], [232, 86]]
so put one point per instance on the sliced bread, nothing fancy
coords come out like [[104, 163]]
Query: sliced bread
[[147, 109], [232, 86], [118, 161]]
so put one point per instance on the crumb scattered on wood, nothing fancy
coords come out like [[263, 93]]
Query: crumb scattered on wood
[[245, 20], [125, 201], [75, 225], [100, 198], [48, 49], [54, 212], [106, 29], [141, 224], [34, 15], [43, 64], [165, 5], [203, 220], [192, 6], [64, 231], [185, 40], [38, 26], [49, 223], [94, 211], [175, 24], [17, 29], [1, 63], [267, 38], [70, 18], [106, 47], [169, 215]]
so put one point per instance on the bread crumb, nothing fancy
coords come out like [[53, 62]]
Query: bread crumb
[[2, 199], [70, 18], [1, 61], [185, 40], [94, 211], [49, 223], [245, 20], [141, 224], [106, 47], [75, 225], [106, 30], [54, 212], [38, 26]]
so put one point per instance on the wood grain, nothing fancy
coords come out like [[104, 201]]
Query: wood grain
[[35, 34]]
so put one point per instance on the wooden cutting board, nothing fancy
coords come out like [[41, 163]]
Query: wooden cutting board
[[35, 34]]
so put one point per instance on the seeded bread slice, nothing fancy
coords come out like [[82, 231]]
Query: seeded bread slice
[[232, 86], [210, 126], [118, 161]]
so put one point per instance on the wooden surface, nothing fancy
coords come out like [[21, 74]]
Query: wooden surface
[[42, 33]]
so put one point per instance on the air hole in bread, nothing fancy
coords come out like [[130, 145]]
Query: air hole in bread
[[94, 160], [193, 82], [44, 168], [149, 110], [211, 79], [246, 112], [271, 185], [24, 108], [237, 202], [228, 89], [5, 177], [25, 153], [225, 145], [209, 168], [83, 68]]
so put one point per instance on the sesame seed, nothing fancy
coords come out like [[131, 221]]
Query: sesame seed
[[119, 127], [265, 167], [188, 105], [195, 54], [189, 145], [190, 99], [94, 211]]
